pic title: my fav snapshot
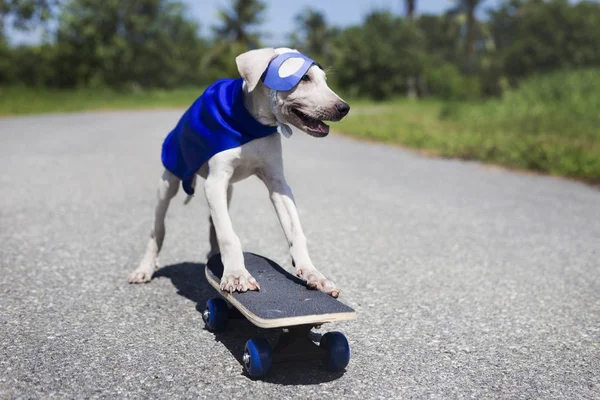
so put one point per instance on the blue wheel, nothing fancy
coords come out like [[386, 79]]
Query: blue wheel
[[257, 358], [216, 314], [338, 350]]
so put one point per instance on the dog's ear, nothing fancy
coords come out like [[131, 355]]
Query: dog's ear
[[252, 64]]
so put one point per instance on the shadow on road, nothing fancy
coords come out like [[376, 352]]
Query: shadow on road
[[188, 278]]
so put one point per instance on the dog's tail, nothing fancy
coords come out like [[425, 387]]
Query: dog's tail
[[191, 196]]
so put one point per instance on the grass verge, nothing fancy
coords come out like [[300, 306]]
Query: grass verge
[[19, 101], [550, 125]]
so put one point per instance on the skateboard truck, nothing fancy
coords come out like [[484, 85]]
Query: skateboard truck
[[294, 344]]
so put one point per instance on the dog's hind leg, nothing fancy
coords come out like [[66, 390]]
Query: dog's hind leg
[[167, 189], [214, 242]]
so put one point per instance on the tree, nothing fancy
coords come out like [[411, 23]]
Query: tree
[[146, 43], [471, 6], [313, 35], [475, 39], [442, 37], [236, 34], [238, 22], [375, 59], [536, 36], [411, 6], [25, 13], [411, 81], [29, 65], [465, 12]]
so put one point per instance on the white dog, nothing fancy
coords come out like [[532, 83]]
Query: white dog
[[304, 106]]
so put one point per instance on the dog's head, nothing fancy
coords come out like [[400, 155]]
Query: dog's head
[[306, 105]]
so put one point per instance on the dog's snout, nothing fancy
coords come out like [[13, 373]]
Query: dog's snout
[[342, 107]]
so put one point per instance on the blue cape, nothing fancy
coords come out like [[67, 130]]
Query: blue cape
[[215, 122]]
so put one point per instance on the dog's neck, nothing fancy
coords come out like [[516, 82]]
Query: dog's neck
[[257, 104]]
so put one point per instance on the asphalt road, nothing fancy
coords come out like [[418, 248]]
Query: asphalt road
[[469, 281]]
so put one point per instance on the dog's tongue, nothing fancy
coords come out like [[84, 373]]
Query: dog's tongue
[[320, 127], [323, 128]]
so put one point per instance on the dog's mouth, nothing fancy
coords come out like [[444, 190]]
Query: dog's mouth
[[313, 126]]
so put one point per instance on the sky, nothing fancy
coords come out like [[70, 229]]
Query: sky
[[279, 15]]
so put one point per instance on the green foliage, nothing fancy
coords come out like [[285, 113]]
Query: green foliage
[[314, 36], [560, 104], [146, 43], [541, 36], [219, 62], [442, 37], [25, 13], [471, 27], [375, 59], [448, 83], [236, 34], [27, 65], [238, 24], [34, 65], [152, 43], [550, 124], [571, 90], [8, 69]]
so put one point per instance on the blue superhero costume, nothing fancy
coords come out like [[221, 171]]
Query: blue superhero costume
[[215, 122], [218, 121]]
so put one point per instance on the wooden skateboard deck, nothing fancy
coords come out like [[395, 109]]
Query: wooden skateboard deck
[[283, 299]]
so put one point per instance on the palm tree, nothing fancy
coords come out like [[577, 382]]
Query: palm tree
[[464, 11], [313, 35], [411, 90], [237, 22], [470, 6], [411, 6]]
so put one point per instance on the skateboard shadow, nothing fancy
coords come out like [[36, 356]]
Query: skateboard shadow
[[190, 282]]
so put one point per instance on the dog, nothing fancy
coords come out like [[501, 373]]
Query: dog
[[280, 91]]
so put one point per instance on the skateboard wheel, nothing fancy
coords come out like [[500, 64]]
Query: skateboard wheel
[[216, 314], [257, 358], [338, 350]]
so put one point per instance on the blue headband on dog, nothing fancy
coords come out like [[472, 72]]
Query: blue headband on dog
[[271, 77]]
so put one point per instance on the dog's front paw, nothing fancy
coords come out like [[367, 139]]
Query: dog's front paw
[[240, 281], [144, 271], [315, 280], [140, 276]]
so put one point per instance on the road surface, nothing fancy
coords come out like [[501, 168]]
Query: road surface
[[469, 281]]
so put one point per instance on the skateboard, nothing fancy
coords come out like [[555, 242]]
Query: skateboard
[[283, 303]]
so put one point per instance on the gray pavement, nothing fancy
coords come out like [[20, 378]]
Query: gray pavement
[[469, 281]]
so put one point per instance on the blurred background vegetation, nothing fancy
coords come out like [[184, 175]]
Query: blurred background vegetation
[[519, 87]]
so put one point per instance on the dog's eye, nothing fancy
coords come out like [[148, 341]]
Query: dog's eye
[[306, 78]]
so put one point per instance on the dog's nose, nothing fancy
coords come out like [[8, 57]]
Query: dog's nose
[[342, 108]]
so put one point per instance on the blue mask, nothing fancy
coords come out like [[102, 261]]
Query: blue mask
[[271, 77]]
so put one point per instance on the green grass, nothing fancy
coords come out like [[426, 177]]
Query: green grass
[[550, 124], [18, 100]]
